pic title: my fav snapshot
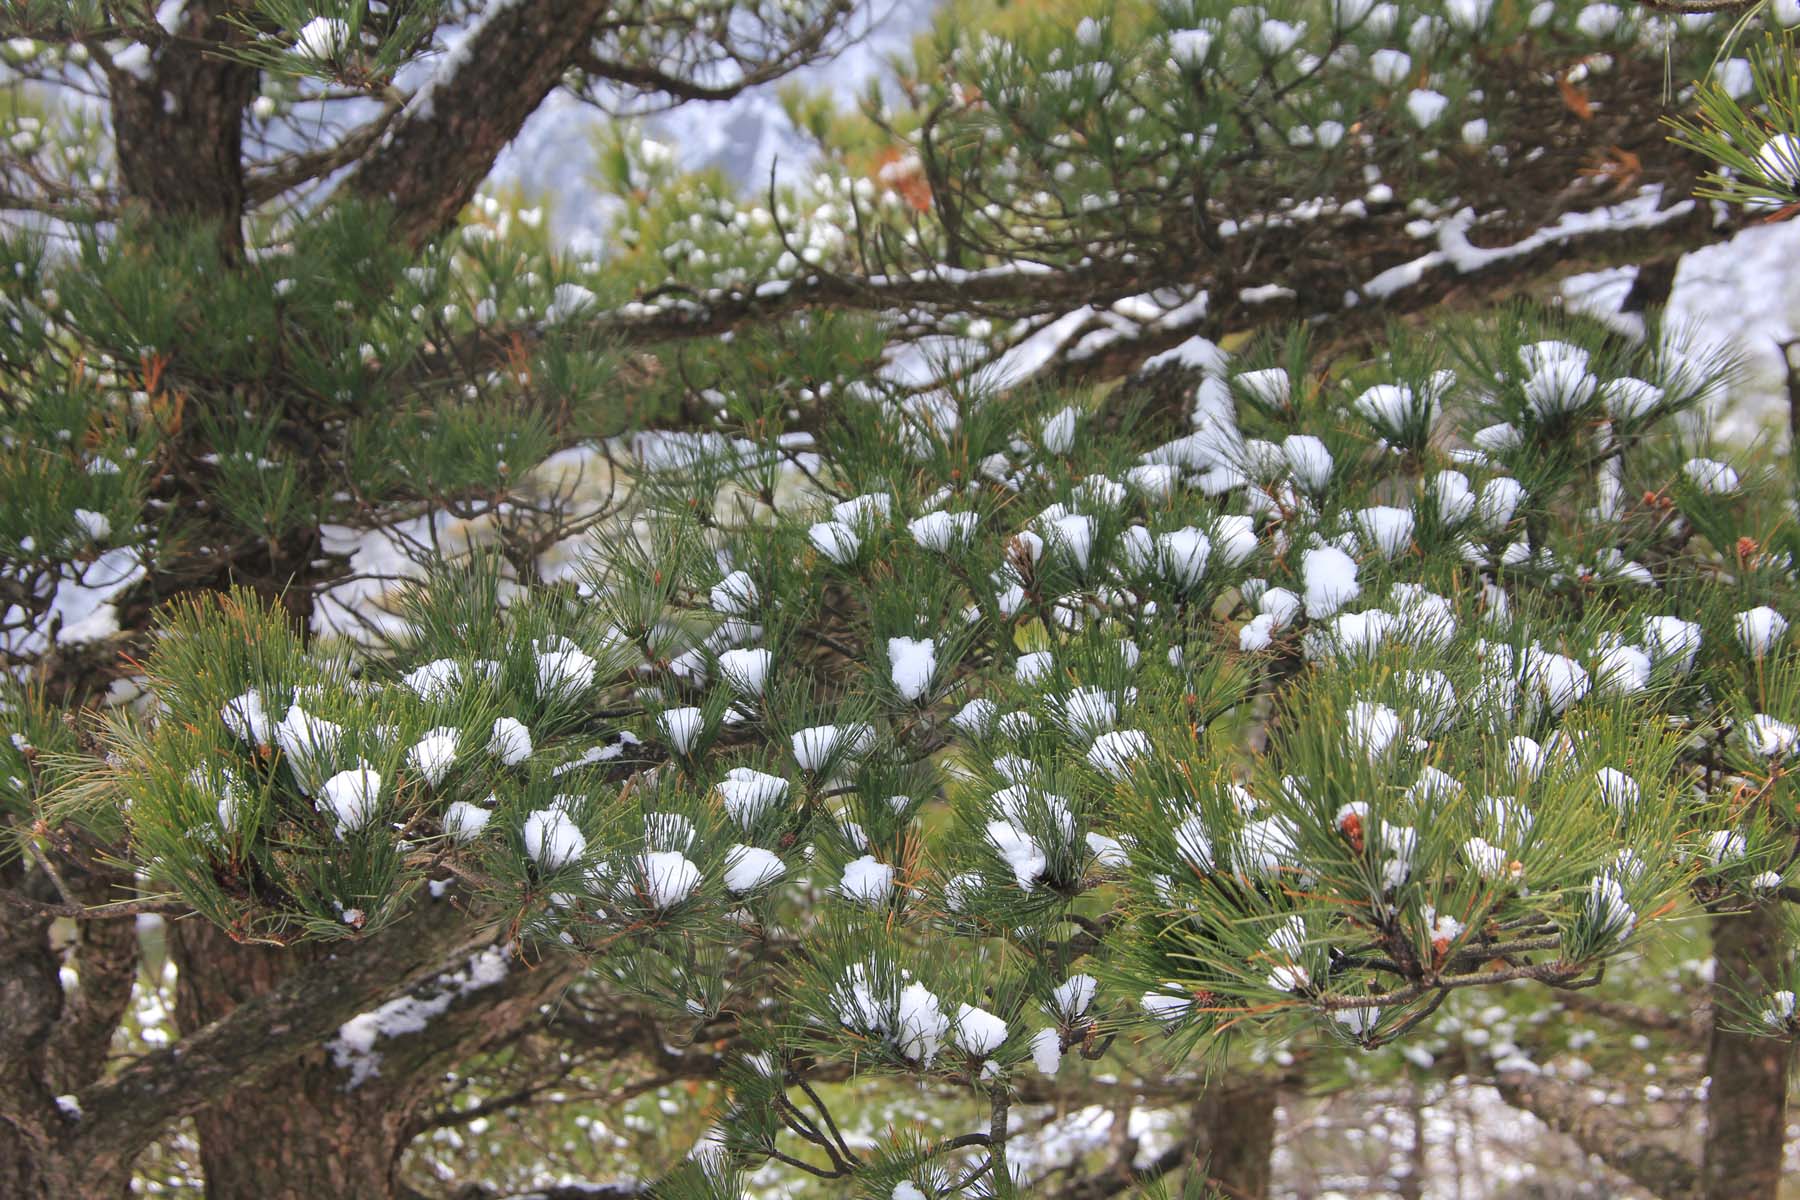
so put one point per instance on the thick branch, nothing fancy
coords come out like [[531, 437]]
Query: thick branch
[[1019, 290], [1598, 1128], [294, 170], [1027, 289], [444, 143], [561, 1191], [257, 1038], [1693, 1026]]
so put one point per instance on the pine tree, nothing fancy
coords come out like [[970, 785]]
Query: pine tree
[[1113, 586]]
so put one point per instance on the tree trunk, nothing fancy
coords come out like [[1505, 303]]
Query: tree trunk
[[36, 1162], [1411, 1185], [324, 1131], [178, 126], [1746, 1104], [30, 999], [1235, 1127], [309, 1136]]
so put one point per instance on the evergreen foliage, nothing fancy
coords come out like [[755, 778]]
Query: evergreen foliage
[[826, 630]]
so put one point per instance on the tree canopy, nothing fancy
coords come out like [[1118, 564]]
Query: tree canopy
[[1113, 592]]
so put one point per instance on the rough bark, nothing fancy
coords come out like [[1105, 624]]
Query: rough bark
[[317, 1134], [247, 1047], [178, 125], [105, 958], [30, 1001], [1236, 1138], [1746, 1105], [432, 160], [1232, 1143]]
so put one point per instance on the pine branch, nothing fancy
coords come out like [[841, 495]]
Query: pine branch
[[94, 912], [1028, 289]]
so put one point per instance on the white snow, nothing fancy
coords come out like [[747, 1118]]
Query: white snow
[[836, 541], [553, 839], [1712, 477], [735, 595], [1388, 66], [976, 717], [1671, 640], [1046, 1051], [1617, 788], [94, 524], [246, 718], [463, 822], [1182, 554], [1070, 1000], [1621, 670], [1117, 752], [749, 868], [669, 878], [1389, 529], [1057, 434], [510, 741], [1770, 738], [682, 726], [434, 754], [353, 1049], [564, 674], [321, 38], [1330, 578], [1160, 1006], [978, 1031], [864, 512], [942, 531], [352, 797], [912, 662], [1194, 843], [1426, 106], [867, 881], [749, 793], [746, 670], [818, 745], [1019, 850], [1234, 536], [436, 680], [306, 740], [1371, 728], [922, 1024], [1309, 459], [1087, 712]]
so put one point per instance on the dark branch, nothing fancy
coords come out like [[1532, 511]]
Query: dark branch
[[259, 1037]]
